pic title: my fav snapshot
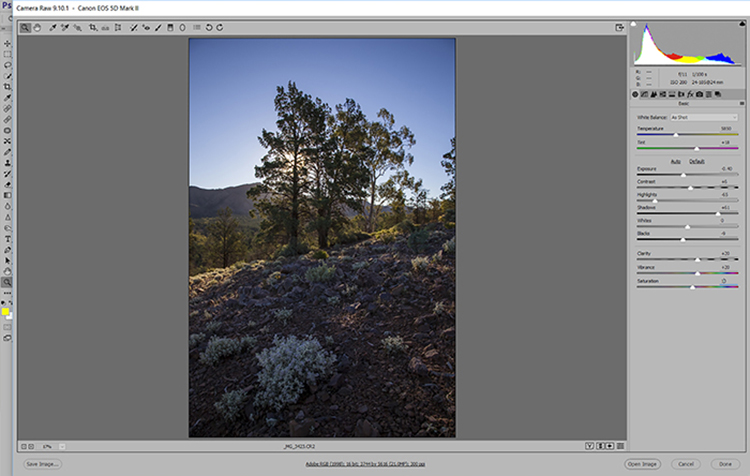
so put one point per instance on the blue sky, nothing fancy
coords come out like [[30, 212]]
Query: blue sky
[[233, 84]]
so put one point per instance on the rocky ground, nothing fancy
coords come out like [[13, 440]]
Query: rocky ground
[[373, 389]]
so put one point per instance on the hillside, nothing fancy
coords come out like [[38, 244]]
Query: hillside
[[387, 319], [205, 202]]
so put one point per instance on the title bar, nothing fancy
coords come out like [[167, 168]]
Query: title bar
[[379, 9]]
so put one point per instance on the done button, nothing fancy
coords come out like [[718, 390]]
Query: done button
[[643, 464], [725, 464]]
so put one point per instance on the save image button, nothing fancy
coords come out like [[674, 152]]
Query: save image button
[[42, 464]]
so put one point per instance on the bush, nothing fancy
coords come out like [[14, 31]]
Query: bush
[[394, 344], [287, 251], [287, 367], [405, 227], [420, 263], [418, 240], [221, 347], [213, 326], [386, 236], [231, 404], [320, 274], [320, 254], [196, 339], [449, 246], [282, 315], [273, 278], [360, 265], [449, 216]]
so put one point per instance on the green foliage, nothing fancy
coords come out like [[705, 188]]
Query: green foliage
[[418, 240], [334, 300], [282, 197], [225, 243], [230, 405], [405, 227], [420, 264], [282, 315], [320, 254], [386, 236], [213, 326], [339, 175], [440, 309], [320, 273], [437, 257], [449, 164], [195, 339], [394, 345], [219, 348], [360, 265], [449, 247], [287, 251], [388, 145], [287, 367], [273, 278]]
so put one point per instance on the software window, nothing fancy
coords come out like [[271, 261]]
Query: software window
[[399, 237]]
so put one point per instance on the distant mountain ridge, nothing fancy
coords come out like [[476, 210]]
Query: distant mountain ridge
[[205, 202]]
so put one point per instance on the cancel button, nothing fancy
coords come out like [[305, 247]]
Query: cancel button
[[686, 464]]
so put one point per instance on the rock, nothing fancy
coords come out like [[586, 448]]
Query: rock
[[418, 367], [420, 336], [344, 363], [323, 396], [362, 409], [425, 328], [300, 430], [344, 391], [259, 293], [364, 429], [300, 416], [430, 353], [249, 411], [372, 307], [296, 291], [232, 303], [309, 400], [286, 285], [449, 333], [336, 381], [333, 408], [385, 297]]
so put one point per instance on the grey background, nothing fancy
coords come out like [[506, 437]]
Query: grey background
[[102, 238], [541, 257]]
